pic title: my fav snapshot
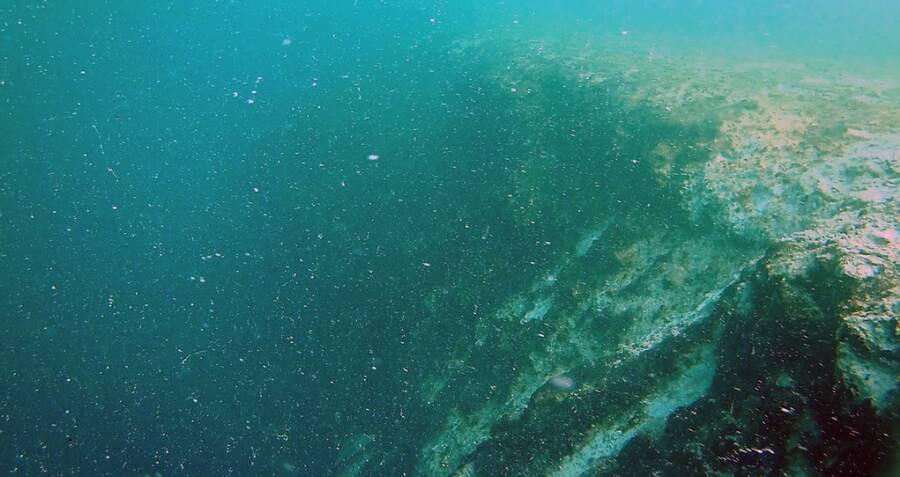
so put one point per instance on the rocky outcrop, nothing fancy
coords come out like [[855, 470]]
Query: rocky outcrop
[[729, 305], [805, 383]]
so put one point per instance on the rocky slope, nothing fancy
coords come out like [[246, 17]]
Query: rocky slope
[[730, 309]]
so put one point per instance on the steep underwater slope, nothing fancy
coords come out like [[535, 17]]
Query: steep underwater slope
[[729, 306]]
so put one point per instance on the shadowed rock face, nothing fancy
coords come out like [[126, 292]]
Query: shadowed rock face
[[726, 303], [781, 400], [759, 385]]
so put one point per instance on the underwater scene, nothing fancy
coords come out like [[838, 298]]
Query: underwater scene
[[449, 238]]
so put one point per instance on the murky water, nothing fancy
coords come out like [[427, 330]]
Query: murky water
[[448, 238]]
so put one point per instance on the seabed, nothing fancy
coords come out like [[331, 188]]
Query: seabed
[[728, 308]]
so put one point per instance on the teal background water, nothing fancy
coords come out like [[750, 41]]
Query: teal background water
[[193, 284]]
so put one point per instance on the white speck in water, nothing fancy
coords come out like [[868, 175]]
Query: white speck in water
[[286, 41], [251, 101], [373, 157]]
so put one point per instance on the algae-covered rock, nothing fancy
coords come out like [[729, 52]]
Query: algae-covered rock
[[725, 295]]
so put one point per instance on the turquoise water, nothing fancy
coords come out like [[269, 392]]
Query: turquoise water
[[246, 238]]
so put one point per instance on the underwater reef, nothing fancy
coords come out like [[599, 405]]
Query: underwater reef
[[729, 302]]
